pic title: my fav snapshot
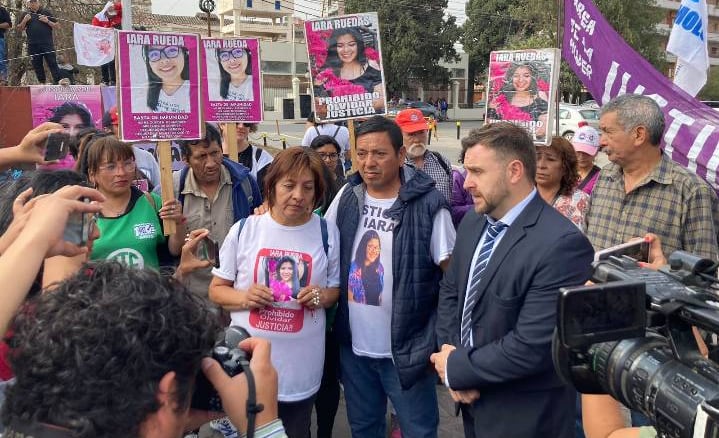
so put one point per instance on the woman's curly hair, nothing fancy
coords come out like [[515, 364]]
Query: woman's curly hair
[[89, 355]]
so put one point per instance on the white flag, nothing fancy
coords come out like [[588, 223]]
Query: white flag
[[688, 42], [94, 45]]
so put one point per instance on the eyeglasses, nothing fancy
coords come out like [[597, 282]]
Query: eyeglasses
[[128, 166], [330, 156], [234, 53], [170, 52]]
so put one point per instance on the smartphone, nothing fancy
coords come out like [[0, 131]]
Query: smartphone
[[80, 227], [57, 146], [208, 249], [636, 249]]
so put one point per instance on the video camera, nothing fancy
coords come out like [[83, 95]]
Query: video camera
[[630, 336]]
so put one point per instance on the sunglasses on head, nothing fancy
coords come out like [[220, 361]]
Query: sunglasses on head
[[170, 52], [234, 53]]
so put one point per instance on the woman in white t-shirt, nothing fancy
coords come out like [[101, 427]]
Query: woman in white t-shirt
[[235, 73], [168, 75], [252, 258]]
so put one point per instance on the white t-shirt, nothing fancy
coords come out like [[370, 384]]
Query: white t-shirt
[[369, 291], [297, 333], [178, 102], [242, 91]]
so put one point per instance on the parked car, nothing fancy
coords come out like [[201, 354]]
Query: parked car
[[591, 103], [572, 117], [427, 109]]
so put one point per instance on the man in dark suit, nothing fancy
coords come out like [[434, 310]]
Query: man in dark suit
[[498, 298]]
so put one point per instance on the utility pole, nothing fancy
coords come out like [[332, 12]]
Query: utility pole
[[207, 6]]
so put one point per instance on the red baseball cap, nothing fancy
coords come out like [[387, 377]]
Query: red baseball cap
[[411, 120]]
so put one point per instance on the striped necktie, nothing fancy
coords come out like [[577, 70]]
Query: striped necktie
[[471, 299]]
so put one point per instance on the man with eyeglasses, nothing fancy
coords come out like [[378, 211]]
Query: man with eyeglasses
[[414, 132], [215, 192], [38, 24]]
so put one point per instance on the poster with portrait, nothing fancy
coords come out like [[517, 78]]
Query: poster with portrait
[[522, 90], [345, 63], [232, 85], [75, 107], [285, 273], [159, 76]]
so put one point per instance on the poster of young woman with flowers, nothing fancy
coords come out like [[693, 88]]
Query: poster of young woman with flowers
[[522, 89], [346, 66]]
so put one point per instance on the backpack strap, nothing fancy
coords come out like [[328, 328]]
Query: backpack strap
[[183, 176], [336, 131], [442, 163], [151, 200], [247, 188], [258, 154], [317, 130], [323, 230]]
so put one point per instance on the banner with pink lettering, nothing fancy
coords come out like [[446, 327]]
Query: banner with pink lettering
[[346, 66], [232, 89], [609, 67], [159, 78]]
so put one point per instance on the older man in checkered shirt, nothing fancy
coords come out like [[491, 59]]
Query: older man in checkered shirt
[[414, 131], [643, 190]]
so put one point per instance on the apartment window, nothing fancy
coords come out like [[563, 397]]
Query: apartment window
[[277, 5], [249, 3], [276, 67]]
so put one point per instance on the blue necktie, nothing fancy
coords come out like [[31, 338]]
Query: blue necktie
[[481, 263]]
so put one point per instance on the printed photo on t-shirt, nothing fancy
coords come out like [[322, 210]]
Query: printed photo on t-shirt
[[366, 278]]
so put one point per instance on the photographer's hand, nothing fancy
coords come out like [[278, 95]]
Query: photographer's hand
[[31, 148], [42, 237], [233, 391]]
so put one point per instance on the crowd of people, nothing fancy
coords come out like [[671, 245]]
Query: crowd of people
[[407, 272]]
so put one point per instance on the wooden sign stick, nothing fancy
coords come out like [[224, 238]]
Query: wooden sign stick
[[164, 155], [231, 134], [353, 149]]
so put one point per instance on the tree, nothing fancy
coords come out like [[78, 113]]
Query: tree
[[488, 27], [415, 37], [536, 27]]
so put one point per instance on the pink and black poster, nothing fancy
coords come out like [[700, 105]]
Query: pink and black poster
[[159, 95], [232, 86]]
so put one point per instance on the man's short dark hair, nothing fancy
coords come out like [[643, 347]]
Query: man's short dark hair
[[508, 141], [89, 356], [382, 124], [212, 134]]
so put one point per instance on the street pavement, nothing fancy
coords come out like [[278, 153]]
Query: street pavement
[[449, 425]]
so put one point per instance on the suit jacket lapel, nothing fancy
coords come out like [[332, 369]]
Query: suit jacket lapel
[[466, 268], [512, 237]]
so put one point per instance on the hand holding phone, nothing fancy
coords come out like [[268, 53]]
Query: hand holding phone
[[209, 250], [636, 249]]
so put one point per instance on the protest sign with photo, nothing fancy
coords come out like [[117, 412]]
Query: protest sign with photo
[[159, 86], [346, 66], [232, 90], [73, 106], [522, 88]]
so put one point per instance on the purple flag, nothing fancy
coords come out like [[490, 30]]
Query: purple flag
[[608, 67]]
